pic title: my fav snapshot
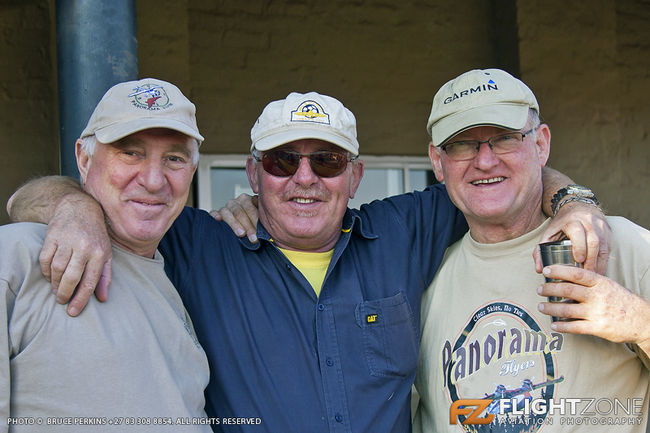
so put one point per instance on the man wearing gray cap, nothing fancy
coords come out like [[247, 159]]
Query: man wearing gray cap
[[133, 362], [485, 334], [314, 328]]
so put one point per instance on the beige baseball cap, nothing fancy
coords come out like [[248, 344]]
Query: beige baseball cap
[[300, 116], [133, 106], [489, 97]]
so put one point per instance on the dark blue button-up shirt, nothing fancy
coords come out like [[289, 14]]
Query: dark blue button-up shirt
[[342, 362]]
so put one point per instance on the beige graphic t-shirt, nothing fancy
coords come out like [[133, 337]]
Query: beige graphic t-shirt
[[483, 338]]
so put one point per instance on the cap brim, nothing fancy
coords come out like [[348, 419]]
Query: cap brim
[[117, 131], [283, 137], [508, 116]]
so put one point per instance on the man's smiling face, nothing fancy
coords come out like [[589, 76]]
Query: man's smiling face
[[493, 189], [304, 211], [142, 182]]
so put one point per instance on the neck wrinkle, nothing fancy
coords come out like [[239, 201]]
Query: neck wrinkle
[[487, 233]]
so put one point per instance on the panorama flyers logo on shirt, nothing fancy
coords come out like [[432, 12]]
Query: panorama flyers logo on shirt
[[150, 97], [500, 363], [310, 111]]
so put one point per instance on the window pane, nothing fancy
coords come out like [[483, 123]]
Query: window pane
[[227, 183], [227, 179], [378, 183], [420, 179]]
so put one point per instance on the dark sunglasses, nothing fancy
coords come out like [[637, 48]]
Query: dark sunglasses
[[324, 163]]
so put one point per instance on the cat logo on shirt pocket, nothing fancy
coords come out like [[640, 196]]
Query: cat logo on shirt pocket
[[389, 335]]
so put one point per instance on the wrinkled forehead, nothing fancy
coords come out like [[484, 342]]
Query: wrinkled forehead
[[167, 139], [157, 134]]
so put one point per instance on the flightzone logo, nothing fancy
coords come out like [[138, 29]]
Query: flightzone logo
[[463, 408], [571, 411]]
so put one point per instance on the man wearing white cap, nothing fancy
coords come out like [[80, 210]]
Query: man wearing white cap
[[133, 363], [485, 334], [314, 328]]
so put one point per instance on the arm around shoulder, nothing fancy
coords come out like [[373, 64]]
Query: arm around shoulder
[[77, 251], [581, 220], [36, 200]]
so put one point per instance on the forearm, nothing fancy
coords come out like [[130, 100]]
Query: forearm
[[643, 342], [37, 199], [553, 181]]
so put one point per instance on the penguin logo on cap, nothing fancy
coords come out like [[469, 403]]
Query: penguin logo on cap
[[310, 111]]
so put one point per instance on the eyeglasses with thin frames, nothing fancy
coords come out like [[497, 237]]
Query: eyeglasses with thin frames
[[502, 143]]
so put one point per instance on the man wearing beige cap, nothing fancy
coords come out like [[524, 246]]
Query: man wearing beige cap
[[132, 363], [486, 332], [314, 328]]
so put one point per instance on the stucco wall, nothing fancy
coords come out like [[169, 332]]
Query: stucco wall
[[383, 59], [28, 119], [587, 62], [589, 67]]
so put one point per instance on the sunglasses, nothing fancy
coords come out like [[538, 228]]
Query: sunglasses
[[324, 163]]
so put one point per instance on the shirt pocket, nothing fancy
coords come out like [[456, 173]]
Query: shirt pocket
[[389, 335]]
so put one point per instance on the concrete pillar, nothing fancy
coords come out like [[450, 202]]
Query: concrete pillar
[[96, 48]]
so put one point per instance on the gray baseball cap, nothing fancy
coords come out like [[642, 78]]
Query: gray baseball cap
[[134, 106], [489, 97]]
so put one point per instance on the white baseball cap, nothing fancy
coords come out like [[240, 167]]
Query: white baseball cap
[[301, 116], [134, 106], [489, 97]]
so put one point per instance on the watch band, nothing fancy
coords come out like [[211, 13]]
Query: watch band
[[573, 192], [580, 199]]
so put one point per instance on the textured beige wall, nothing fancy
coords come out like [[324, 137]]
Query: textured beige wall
[[383, 59], [163, 41], [587, 62], [28, 120], [589, 67]]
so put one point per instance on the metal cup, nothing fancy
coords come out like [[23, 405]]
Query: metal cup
[[558, 253]]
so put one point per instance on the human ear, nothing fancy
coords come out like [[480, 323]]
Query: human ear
[[434, 156]]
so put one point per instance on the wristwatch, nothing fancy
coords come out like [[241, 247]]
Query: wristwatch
[[574, 193]]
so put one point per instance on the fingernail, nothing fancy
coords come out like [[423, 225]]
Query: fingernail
[[539, 290], [546, 270], [240, 232], [553, 326], [540, 307], [253, 238], [73, 311]]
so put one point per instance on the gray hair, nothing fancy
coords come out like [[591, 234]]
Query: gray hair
[[89, 143], [533, 121], [534, 118]]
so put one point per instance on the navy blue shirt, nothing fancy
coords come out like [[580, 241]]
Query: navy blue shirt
[[341, 362]]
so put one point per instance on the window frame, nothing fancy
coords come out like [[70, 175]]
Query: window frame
[[231, 160]]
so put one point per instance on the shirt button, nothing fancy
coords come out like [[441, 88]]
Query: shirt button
[[329, 362], [338, 417], [321, 307]]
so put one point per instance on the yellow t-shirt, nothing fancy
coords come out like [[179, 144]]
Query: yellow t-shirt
[[312, 265]]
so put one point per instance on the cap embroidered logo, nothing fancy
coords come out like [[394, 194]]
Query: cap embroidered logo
[[310, 111], [150, 97], [491, 85]]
